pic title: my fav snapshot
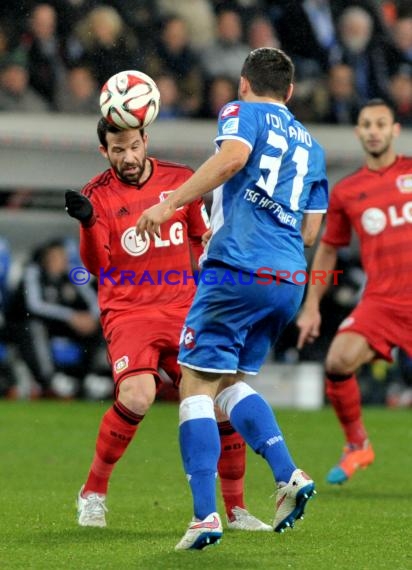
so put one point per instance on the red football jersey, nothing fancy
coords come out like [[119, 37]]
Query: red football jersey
[[136, 276], [377, 204]]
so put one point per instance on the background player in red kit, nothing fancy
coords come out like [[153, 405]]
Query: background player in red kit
[[142, 306], [376, 201]]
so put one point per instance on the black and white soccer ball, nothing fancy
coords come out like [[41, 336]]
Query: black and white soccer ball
[[130, 99]]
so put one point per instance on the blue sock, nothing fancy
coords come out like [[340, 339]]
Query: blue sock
[[253, 418], [200, 449]]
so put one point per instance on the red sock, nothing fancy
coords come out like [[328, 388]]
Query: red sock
[[345, 397], [231, 467], [116, 431]]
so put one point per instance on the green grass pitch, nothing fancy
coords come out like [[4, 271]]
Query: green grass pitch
[[46, 449]]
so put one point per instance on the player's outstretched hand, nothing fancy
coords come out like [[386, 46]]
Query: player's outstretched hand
[[151, 219], [78, 206], [308, 324]]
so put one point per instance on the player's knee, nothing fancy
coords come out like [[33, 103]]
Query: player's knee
[[137, 396], [229, 397], [340, 364]]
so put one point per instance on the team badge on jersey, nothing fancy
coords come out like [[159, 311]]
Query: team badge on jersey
[[404, 183], [230, 111], [121, 364], [348, 322]]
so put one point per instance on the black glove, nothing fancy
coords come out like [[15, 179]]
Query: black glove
[[79, 207]]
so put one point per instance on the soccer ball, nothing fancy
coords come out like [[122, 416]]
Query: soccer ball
[[130, 99]]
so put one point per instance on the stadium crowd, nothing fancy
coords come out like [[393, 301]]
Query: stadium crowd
[[55, 55]]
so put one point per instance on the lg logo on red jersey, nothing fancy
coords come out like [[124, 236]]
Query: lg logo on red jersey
[[375, 220], [134, 245]]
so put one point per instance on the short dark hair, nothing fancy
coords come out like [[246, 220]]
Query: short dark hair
[[39, 254], [376, 102], [104, 127], [269, 71]]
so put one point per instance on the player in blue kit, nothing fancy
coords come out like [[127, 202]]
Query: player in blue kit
[[269, 199]]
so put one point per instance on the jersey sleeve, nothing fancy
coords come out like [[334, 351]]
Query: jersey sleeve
[[197, 224], [318, 197], [95, 239], [338, 228], [237, 122]]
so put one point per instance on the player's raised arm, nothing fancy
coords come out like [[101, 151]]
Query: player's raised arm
[[216, 170], [309, 319]]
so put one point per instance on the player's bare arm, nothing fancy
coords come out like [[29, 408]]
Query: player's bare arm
[[309, 320], [311, 224], [231, 158]]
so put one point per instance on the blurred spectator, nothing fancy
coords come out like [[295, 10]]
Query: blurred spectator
[[308, 101], [15, 92], [198, 15], [9, 49], [342, 104], [170, 98], [7, 375], [175, 56], [399, 392], [307, 32], [402, 36], [261, 33], [45, 51], [400, 89], [141, 17], [226, 54], [365, 53], [219, 91], [54, 322], [403, 8], [103, 40], [14, 14], [389, 12], [79, 92]]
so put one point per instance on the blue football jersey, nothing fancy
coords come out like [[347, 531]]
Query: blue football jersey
[[257, 215]]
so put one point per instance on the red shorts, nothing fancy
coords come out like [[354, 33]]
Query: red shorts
[[144, 347], [384, 326]]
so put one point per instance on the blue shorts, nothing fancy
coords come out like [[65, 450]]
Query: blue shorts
[[234, 320]]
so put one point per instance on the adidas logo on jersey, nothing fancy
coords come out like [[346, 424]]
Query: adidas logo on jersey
[[122, 212]]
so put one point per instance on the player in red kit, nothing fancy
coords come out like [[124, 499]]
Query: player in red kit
[[376, 202], [145, 289]]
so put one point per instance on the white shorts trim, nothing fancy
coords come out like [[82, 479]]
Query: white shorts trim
[[216, 370], [254, 373]]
